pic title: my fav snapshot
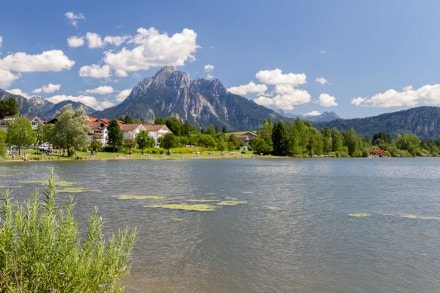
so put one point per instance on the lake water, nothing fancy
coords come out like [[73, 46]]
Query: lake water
[[278, 225]]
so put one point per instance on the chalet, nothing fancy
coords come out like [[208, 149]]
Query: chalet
[[4, 122], [156, 131], [35, 122], [98, 130], [245, 137], [130, 131]]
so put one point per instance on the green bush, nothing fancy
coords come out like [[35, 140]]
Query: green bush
[[41, 249]]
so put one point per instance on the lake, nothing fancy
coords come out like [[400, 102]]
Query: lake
[[272, 225]]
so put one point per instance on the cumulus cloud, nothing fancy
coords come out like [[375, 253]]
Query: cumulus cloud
[[115, 40], [321, 80], [19, 92], [12, 65], [123, 95], [101, 90], [75, 42], [49, 88], [95, 71], [86, 100], [409, 97], [277, 89], [277, 77], [74, 18], [1, 41], [154, 49], [325, 100], [94, 40], [313, 113], [251, 87]]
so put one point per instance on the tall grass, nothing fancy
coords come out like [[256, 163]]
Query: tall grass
[[41, 249]]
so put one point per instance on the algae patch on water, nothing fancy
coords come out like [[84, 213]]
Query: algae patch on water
[[186, 207], [414, 217], [72, 190], [273, 208], [202, 200], [58, 183], [231, 202], [360, 215], [139, 197]]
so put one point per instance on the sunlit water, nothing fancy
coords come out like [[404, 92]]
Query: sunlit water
[[290, 225]]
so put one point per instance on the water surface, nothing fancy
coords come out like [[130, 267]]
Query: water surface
[[285, 225]]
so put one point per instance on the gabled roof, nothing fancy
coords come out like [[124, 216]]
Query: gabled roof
[[155, 127], [129, 127]]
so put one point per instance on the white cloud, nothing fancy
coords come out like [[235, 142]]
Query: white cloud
[[12, 65], [276, 77], [313, 113], [94, 40], [115, 40], [19, 92], [123, 95], [73, 18], [251, 87], [75, 42], [49, 88], [7, 77], [425, 95], [321, 80], [154, 49], [209, 68], [1, 41], [101, 90], [326, 100], [95, 71], [283, 92], [86, 100]]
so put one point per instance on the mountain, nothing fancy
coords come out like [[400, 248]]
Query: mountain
[[422, 121], [40, 107], [201, 102], [324, 117]]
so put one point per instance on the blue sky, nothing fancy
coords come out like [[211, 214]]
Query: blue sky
[[357, 58]]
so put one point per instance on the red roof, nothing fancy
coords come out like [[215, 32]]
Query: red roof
[[153, 127]]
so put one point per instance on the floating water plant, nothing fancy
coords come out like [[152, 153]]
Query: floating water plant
[[231, 203], [202, 200], [186, 207], [139, 197], [273, 208], [360, 215], [414, 217], [72, 190], [59, 183]]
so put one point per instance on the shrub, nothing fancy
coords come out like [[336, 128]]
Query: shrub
[[41, 250]]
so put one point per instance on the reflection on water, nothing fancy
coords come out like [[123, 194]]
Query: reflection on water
[[336, 225]]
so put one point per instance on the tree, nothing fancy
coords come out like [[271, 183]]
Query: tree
[[2, 142], [8, 107], [409, 142], [174, 124], [115, 135], [71, 130], [41, 248], [129, 143], [280, 139], [159, 120], [143, 140], [326, 140], [206, 140], [168, 141], [260, 146], [127, 119], [20, 132]]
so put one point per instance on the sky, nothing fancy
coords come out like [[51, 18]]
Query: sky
[[356, 58]]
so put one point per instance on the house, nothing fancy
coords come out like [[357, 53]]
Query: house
[[156, 131], [377, 153], [35, 122], [245, 137], [130, 131], [98, 131]]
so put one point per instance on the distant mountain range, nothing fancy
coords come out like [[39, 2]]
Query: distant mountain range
[[40, 107], [202, 102], [323, 117], [422, 121]]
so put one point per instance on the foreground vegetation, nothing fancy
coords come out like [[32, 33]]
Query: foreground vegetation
[[41, 249]]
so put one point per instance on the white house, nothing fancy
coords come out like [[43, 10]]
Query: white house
[[156, 131], [130, 131]]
